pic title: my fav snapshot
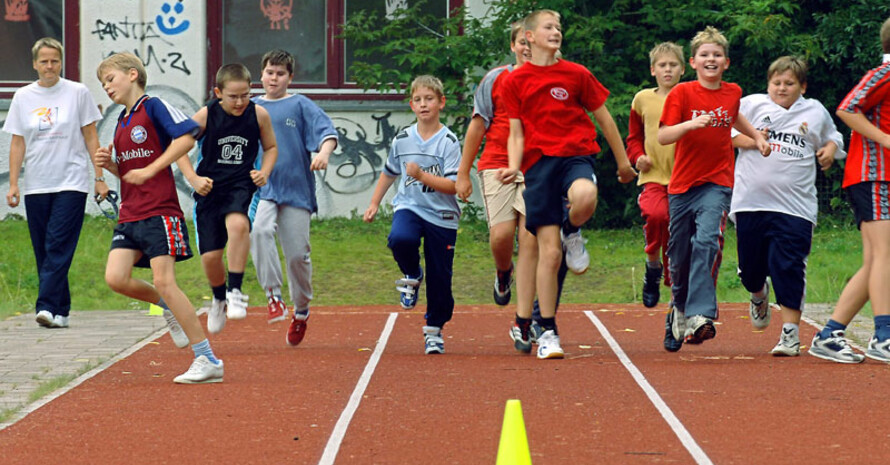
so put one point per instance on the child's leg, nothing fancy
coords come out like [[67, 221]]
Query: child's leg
[[753, 249], [214, 269], [526, 268], [582, 195], [438, 252], [404, 241], [500, 239], [293, 233], [164, 278], [263, 247], [877, 234], [118, 275], [549, 259], [238, 246], [682, 227], [707, 250]]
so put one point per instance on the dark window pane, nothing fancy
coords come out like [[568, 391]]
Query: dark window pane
[[23, 23], [253, 27]]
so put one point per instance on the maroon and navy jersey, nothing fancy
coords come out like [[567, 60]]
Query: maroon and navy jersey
[[867, 160], [139, 139]]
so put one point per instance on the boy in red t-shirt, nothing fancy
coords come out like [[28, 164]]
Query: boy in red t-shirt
[[552, 140], [699, 116]]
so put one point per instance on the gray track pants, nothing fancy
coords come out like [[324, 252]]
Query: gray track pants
[[292, 227]]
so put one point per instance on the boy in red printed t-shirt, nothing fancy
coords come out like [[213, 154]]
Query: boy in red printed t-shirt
[[552, 140], [699, 116]]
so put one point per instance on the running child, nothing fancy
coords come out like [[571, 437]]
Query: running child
[[151, 233], [233, 128], [424, 158]]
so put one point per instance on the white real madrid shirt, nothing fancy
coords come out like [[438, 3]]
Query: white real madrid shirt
[[783, 182]]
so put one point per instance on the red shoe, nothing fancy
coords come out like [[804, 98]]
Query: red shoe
[[277, 310], [297, 329]]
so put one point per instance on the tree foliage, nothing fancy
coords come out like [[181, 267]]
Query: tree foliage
[[839, 39]]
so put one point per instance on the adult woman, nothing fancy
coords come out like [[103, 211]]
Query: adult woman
[[53, 127]]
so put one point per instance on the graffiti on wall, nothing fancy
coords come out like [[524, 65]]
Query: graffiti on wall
[[356, 164], [278, 12], [17, 11]]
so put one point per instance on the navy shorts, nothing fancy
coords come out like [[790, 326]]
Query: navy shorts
[[870, 201], [547, 184], [211, 211], [155, 236], [776, 245]]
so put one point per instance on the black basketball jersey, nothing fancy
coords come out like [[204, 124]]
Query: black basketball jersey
[[229, 146]]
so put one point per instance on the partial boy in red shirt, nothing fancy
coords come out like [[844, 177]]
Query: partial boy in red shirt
[[699, 116]]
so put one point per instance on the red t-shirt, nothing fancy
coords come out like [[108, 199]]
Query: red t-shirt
[[867, 160], [489, 105], [552, 102], [702, 155]]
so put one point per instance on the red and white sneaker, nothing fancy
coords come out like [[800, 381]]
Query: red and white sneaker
[[297, 329], [277, 310]]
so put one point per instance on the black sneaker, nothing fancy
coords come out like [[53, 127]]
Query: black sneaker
[[651, 282], [671, 344], [502, 283]]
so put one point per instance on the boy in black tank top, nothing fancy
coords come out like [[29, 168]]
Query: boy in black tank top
[[233, 130]]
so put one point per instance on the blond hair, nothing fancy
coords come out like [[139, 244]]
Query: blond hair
[[665, 48], [46, 42], [885, 35], [231, 72], [531, 21], [124, 61], [430, 82], [710, 35], [797, 67], [515, 29]]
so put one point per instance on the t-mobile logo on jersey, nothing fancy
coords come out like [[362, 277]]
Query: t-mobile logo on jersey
[[719, 117]]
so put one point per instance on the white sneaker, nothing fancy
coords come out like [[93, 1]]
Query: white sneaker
[[548, 346], [201, 371], [176, 332], [237, 304], [216, 317], [789, 344], [577, 258], [60, 321], [45, 318], [759, 310]]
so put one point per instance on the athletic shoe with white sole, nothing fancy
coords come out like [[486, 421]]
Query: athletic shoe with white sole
[[699, 329], [548, 346], [45, 318], [502, 292], [202, 371], [236, 304], [521, 338], [432, 340], [277, 310], [789, 344], [671, 343], [60, 321], [409, 288], [834, 348], [176, 332], [577, 258], [216, 317], [759, 311], [878, 350], [535, 332]]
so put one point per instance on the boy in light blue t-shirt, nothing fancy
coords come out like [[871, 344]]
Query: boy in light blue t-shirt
[[424, 158]]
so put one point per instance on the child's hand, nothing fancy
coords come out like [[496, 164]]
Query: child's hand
[[102, 157], [370, 213], [138, 176], [825, 155], [464, 187], [506, 175], [201, 184], [763, 146], [644, 164], [258, 177], [320, 162], [626, 174], [702, 121], [413, 169]]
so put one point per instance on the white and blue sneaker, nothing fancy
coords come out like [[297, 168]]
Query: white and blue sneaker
[[789, 344], [548, 346], [432, 340], [879, 351], [408, 288], [834, 348]]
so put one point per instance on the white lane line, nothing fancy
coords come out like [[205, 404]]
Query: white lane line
[[688, 441], [333, 446]]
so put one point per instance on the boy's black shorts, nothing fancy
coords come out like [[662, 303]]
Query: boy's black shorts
[[211, 211], [870, 201], [155, 236], [547, 183]]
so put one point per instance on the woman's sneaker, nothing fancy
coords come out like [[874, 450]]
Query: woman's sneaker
[[878, 350], [548, 346], [834, 348], [759, 310], [408, 288], [201, 371], [789, 344], [432, 340], [176, 332], [45, 318], [60, 321]]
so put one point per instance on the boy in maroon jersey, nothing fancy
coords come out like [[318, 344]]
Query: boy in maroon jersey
[[866, 110], [699, 116], [552, 140], [151, 232]]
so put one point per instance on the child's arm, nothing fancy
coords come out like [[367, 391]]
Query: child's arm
[[202, 184], [636, 143], [320, 161], [669, 134], [859, 123], [472, 141], [102, 158], [270, 147], [515, 147], [437, 183], [383, 185], [626, 173], [746, 128], [825, 155], [179, 147]]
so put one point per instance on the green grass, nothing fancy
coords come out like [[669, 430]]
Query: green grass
[[352, 266]]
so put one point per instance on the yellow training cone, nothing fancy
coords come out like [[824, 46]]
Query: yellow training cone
[[155, 310], [513, 449]]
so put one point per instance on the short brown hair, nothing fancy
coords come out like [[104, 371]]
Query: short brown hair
[[531, 21], [885, 35], [279, 57], [124, 61], [46, 42], [231, 72], [663, 49], [710, 35], [797, 67], [515, 29], [430, 82]]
